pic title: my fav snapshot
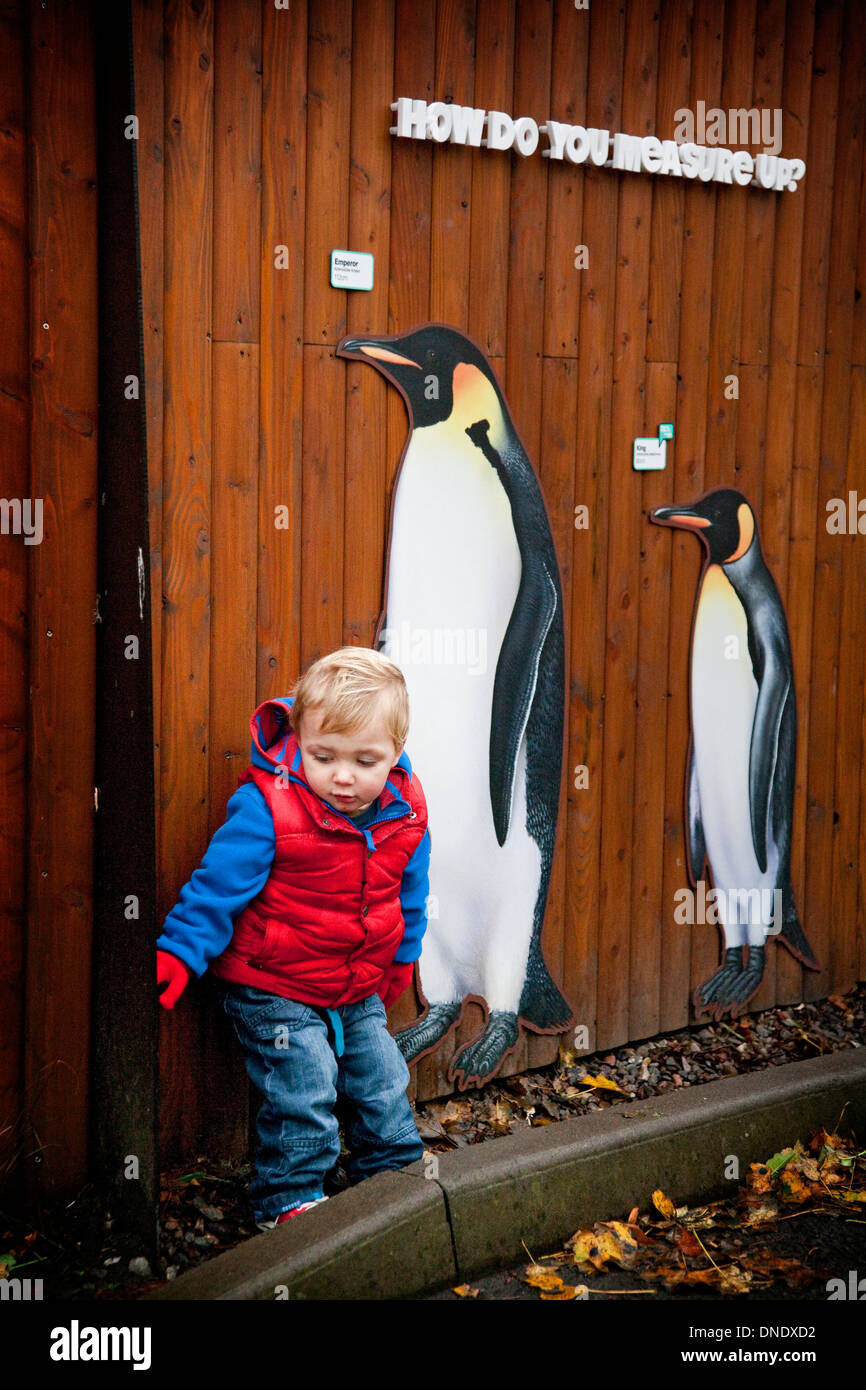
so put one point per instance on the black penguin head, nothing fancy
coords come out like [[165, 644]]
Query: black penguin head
[[428, 365], [723, 519]]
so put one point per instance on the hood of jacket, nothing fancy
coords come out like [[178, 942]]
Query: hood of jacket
[[274, 746]]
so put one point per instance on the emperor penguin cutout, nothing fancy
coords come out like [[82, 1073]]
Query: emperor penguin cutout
[[739, 792], [472, 615]]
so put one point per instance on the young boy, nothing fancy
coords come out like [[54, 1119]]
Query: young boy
[[310, 907]]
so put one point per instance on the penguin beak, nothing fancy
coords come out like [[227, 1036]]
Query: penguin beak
[[369, 347], [683, 517]]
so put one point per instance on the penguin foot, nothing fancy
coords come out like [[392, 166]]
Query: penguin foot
[[732, 986], [478, 1060], [719, 984], [426, 1034], [748, 982]]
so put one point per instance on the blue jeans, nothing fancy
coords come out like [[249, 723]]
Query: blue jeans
[[290, 1059]]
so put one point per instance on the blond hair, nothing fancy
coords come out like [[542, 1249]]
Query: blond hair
[[351, 687]]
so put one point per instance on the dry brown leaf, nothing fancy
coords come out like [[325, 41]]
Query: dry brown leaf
[[792, 1188], [689, 1245], [567, 1291], [759, 1178], [603, 1082], [762, 1211], [543, 1279], [664, 1204], [608, 1241], [465, 1291], [767, 1262], [733, 1280]]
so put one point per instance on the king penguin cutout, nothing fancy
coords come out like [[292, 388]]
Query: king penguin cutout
[[473, 617], [739, 792]]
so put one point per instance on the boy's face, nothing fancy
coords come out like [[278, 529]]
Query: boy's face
[[349, 770]]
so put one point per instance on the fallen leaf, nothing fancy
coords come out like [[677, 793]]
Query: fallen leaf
[[567, 1291], [767, 1209], [610, 1241], [465, 1291], [767, 1262], [853, 1196], [543, 1279], [759, 1178], [792, 1188], [664, 1204], [603, 1082], [779, 1160], [689, 1245]]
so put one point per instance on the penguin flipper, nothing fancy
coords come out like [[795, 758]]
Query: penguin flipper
[[515, 681], [773, 690], [696, 845]]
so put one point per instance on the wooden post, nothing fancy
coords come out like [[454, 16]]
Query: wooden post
[[123, 1145]]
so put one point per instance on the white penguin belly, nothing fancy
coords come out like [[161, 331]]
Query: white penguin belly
[[724, 695], [453, 574]]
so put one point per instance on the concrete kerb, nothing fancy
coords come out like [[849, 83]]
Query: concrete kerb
[[402, 1234]]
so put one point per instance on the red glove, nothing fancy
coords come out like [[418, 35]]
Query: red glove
[[168, 967], [396, 979]]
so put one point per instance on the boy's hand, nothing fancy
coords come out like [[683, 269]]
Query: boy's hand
[[395, 981], [168, 967]]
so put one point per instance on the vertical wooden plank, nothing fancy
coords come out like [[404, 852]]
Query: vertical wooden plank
[[565, 183], [650, 908], [491, 180], [237, 171], [848, 800], [858, 337], [322, 524], [532, 56], [818, 626], [669, 195], [366, 504], [858, 452], [233, 572], [149, 84], [589, 554], [63, 357], [327, 206], [839, 726], [410, 241], [186, 522], [123, 1063], [784, 317], [411, 173], [14, 430], [691, 953], [235, 363], [622, 988], [525, 320], [727, 287], [452, 167], [758, 249], [799, 607], [281, 363]]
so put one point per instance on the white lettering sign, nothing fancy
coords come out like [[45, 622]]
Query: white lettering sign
[[709, 162]]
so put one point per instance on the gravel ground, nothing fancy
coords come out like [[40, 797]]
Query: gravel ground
[[76, 1248]]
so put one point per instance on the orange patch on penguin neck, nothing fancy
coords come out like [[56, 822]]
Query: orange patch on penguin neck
[[746, 523]]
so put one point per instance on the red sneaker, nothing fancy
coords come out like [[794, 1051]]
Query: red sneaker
[[287, 1215]]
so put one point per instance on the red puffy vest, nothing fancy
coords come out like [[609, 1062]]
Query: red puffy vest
[[325, 927]]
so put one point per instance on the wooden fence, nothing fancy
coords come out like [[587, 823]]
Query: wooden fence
[[264, 141]]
